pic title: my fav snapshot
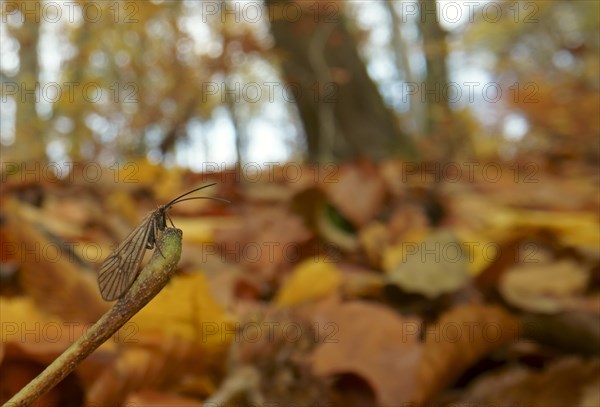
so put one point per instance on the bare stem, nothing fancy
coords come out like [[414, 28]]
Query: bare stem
[[151, 280]]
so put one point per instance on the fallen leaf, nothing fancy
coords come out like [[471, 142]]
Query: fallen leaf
[[432, 267], [152, 398], [374, 343], [186, 308], [310, 280], [265, 239], [395, 254], [359, 282], [30, 337], [374, 238], [201, 230], [570, 331], [567, 382], [457, 340], [332, 233], [543, 287], [358, 193], [51, 275], [35, 332], [153, 360]]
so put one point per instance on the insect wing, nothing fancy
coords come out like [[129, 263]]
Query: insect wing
[[121, 268]]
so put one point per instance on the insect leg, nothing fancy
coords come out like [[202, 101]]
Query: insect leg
[[170, 220], [154, 236], [151, 239]]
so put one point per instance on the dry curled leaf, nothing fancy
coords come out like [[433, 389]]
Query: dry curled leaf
[[457, 340], [374, 343], [567, 382]]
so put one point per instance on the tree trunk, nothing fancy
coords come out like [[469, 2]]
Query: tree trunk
[[29, 145], [343, 113], [447, 136]]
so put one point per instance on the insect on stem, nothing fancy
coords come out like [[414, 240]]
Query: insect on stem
[[118, 272]]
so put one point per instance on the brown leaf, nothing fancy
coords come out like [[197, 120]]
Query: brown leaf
[[543, 287], [360, 282], [374, 238], [358, 193], [570, 331], [153, 360], [567, 382], [51, 275], [457, 340], [152, 398], [265, 239], [31, 338], [374, 343], [17, 373]]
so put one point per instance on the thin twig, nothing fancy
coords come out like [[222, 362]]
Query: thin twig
[[151, 280]]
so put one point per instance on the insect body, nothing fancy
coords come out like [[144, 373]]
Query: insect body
[[120, 269]]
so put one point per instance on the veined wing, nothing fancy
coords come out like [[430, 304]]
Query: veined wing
[[118, 272]]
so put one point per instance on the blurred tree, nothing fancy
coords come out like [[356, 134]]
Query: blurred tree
[[343, 113], [29, 143], [140, 61], [401, 51], [441, 124]]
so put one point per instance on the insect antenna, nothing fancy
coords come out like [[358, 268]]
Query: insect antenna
[[174, 201], [202, 197], [165, 209]]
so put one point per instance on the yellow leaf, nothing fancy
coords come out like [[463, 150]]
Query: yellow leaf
[[122, 202], [36, 332], [187, 308], [481, 252], [21, 314], [580, 230], [311, 280]]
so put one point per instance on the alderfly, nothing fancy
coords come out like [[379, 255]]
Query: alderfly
[[120, 269]]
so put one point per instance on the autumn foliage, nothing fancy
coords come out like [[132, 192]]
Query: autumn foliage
[[376, 285]]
